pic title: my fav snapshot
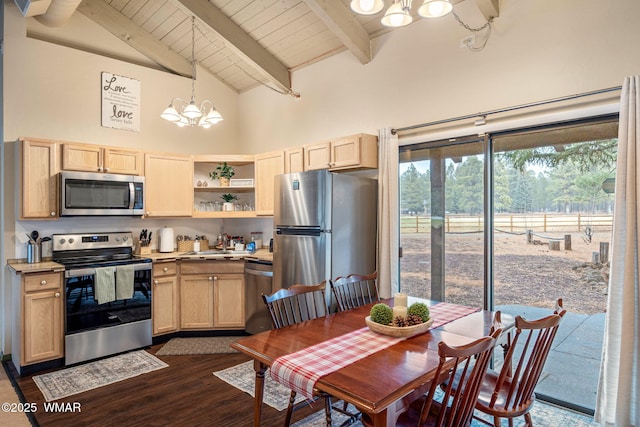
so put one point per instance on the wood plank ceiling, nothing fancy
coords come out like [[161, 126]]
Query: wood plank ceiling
[[243, 43]]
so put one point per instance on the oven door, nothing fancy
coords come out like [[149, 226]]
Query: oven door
[[84, 311]]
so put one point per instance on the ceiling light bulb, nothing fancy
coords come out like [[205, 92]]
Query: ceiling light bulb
[[396, 16], [213, 117], [367, 7], [170, 114], [182, 122], [435, 8], [192, 111]]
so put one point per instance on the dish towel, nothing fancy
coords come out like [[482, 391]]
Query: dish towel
[[104, 286], [124, 281]]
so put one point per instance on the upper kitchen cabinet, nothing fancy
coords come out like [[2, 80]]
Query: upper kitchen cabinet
[[294, 160], [209, 194], [167, 180], [93, 158], [39, 179], [268, 165], [352, 152]]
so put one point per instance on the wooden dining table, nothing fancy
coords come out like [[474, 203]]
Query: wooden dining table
[[380, 385]]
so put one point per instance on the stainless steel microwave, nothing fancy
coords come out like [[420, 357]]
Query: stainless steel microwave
[[89, 193]]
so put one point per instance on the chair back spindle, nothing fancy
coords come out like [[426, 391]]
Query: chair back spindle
[[296, 304], [355, 290]]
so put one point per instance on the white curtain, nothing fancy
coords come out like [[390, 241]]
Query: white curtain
[[618, 402], [388, 226]]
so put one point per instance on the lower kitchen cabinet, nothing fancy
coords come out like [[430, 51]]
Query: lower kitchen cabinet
[[165, 298], [212, 294], [196, 301], [228, 291], [42, 317]]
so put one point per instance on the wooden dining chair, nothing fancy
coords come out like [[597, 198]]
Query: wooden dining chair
[[296, 304], [510, 392], [468, 364], [355, 290]]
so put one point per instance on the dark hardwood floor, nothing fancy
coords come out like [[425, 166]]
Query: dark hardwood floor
[[184, 394]]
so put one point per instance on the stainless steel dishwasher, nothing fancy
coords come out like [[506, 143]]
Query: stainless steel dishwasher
[[258, 278]]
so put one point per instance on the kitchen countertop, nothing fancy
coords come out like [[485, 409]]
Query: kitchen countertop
[[261, 255], [20, 266]]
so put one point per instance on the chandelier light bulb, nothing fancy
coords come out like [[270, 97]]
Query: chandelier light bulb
[[435, 8], [367, 7], [397, 15]]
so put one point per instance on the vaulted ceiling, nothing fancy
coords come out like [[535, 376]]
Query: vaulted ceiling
[[243, 43]]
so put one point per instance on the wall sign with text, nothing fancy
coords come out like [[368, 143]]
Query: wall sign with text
[[120, 102]]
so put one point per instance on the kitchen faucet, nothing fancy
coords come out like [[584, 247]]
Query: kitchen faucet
[[225, 242]]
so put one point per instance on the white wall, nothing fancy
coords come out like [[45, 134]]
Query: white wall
[[539, 49], [54, 92]]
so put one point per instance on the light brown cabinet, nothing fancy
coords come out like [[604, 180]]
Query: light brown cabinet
[[196, 301], [42, 317], [168, 180], [228, 300], [294, 160], [267, 165], [93, 158], [39, 179], [358, 151], [211, 294], [165, 298]]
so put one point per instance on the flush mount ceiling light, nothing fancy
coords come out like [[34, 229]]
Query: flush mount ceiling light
[[190, 114]]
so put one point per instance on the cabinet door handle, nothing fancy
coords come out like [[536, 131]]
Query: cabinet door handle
[[57, 294], [100, 169], [105, 169], [215, 277], [44, 282], [52, 213], [155, 282], [165, 269], [210, 278]]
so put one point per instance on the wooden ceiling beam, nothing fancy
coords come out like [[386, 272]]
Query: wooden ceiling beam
[[131, 33], [346, 28], [239, 41]]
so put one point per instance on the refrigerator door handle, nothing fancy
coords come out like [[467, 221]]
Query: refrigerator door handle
[[299, 231]]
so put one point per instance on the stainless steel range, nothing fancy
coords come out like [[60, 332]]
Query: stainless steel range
[[108, 294]]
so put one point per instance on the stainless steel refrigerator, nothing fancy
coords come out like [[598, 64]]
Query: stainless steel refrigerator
[[325, 227]]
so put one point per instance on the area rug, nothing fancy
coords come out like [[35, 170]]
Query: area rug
[[243, 377], [81, 378], [197, 345]]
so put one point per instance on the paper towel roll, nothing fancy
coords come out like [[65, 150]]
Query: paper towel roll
[[166, 239]]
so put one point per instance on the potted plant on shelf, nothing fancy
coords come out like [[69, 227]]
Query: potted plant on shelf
[[223, 173], [228, 201]]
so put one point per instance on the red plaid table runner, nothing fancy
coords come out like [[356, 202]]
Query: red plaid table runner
[[299, 371]]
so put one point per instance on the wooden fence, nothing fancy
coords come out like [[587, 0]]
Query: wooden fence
[[508, 222]]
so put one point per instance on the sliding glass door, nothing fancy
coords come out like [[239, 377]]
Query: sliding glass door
[[514, 221], [442, 221]]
